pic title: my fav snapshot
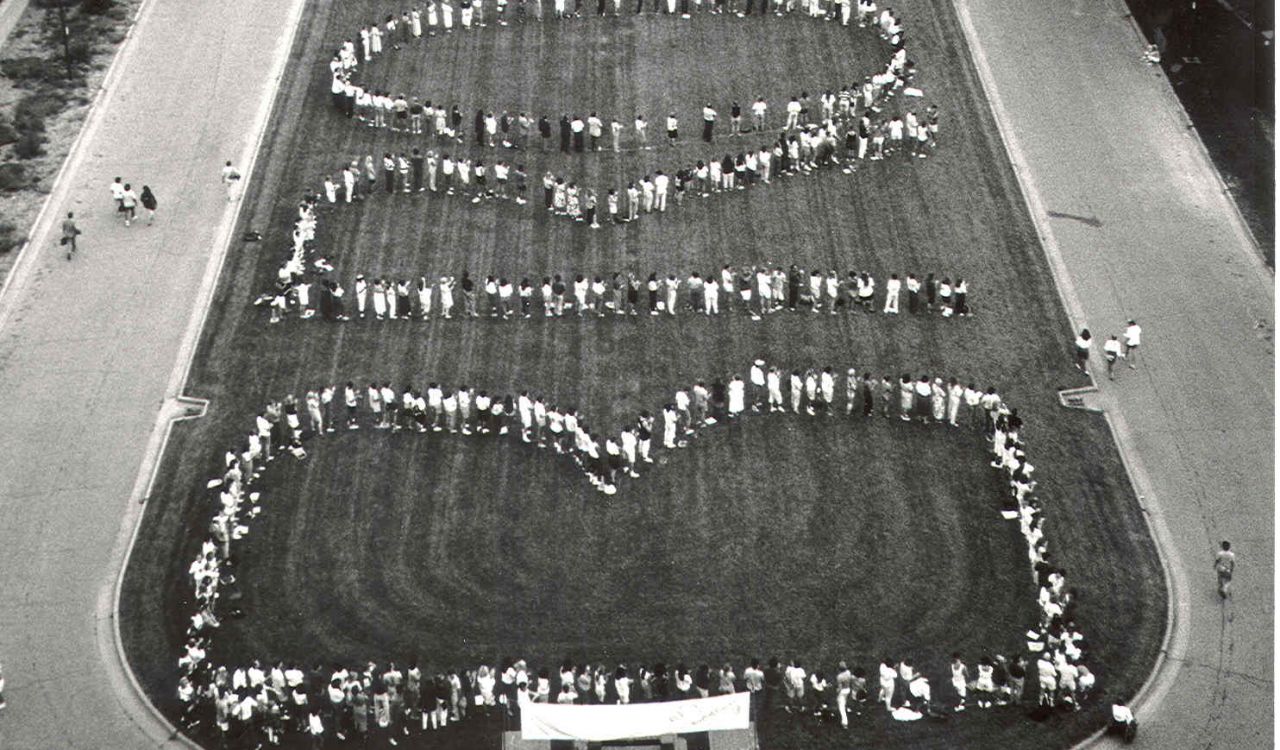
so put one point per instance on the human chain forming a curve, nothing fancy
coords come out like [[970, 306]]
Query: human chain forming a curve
[[266, 699]]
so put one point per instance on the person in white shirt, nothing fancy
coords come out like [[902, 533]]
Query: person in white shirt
[[661, 185], [1111, 352], [1123, 722], [793, 114], [793, 681], [888, 680], [737, 397], [230, 179], [1132, 340], [642, 132], [892, 289], [774, 381], [1083, 343], [129, 203], [759, 109], [117, 194]]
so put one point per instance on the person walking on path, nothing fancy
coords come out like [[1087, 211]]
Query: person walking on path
[[230, 178], [1132, 339], [69, 233], [149, 203], [117, 194], [1111, 352], [1225, 565], [1083, 342], [129, 204]]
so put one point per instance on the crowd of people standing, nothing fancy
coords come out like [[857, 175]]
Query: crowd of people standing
[[755, 291], [841, 126], [263, 700]]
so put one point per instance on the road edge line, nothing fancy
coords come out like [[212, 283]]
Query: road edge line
[[166, 418], [1175, 633]]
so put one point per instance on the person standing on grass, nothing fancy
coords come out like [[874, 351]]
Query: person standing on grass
[[892, 289], [1110, 353], [69, 233], [1132, 339], [1083, 343], [230, 178], [708, 122], [1224, 563]]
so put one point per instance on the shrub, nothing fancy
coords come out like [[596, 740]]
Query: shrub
[[13, 177], [30, 145], [32, 110], [9, 237], [24, 71], [7, 133]]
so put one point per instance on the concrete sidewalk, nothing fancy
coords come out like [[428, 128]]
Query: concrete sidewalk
[[1136, 226], [88, 351]]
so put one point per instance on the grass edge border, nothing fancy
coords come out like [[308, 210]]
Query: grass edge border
[[175, 404], [1175, 634]]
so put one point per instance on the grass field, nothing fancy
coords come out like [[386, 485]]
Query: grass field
[[779, 536]]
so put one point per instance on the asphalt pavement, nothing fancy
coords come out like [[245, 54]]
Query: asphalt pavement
[[92, 349], [1136, 225]]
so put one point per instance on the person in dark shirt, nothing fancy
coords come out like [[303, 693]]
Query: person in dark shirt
[[468, 295], [565, 133], [417, 160], [772, 683], [544, 130]]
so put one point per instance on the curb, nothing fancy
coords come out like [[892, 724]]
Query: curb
[[176, 408], [1197, 138], [75, 155], [1177, 605]]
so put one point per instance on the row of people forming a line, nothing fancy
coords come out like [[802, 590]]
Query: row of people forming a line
[[802, 152], [403, 114], [577, 134], [812, 149], [754, 290], [1056, 641], [468, 411], [439, 17], [264, 702]]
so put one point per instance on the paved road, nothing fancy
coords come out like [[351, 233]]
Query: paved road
[[1136, 226], [87, 350]]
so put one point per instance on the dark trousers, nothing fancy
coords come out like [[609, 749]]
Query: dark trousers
[[391, 180], [707, 127]]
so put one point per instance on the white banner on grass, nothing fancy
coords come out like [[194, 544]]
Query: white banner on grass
[[552, 721]]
